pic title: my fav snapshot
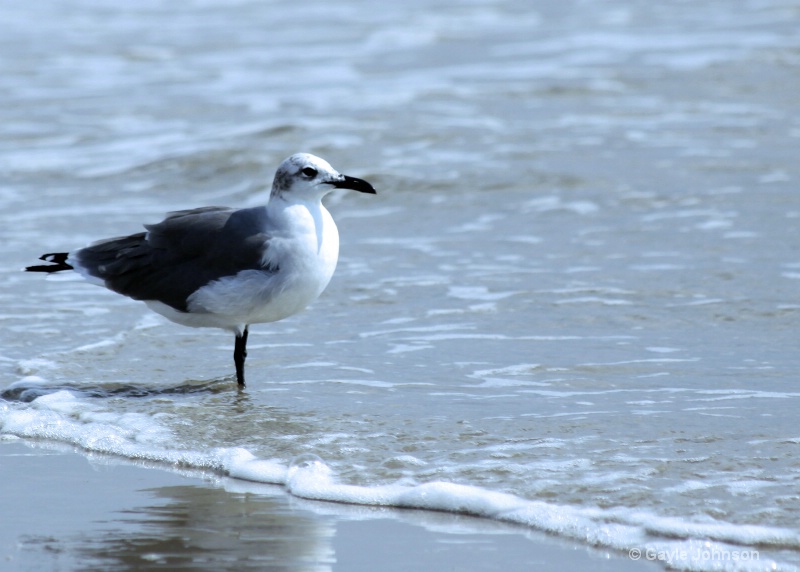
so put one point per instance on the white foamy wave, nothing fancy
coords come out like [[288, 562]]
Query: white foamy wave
[[679, 543]]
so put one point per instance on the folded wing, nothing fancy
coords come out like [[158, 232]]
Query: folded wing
[[178, 255]]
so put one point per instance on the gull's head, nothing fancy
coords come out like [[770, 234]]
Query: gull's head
[[304, 177]]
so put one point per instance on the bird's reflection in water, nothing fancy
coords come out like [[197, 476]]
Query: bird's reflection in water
[[202, 528]]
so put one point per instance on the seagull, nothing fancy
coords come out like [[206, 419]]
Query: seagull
[[227, 268]]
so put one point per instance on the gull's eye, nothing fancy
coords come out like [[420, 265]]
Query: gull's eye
[[309, 172]]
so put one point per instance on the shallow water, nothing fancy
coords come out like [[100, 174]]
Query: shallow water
[[123, 515], [576, 293]]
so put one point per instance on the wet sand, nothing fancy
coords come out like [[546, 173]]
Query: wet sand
[[65, 511]]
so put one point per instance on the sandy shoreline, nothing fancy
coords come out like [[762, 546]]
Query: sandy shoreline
[[66, 511]]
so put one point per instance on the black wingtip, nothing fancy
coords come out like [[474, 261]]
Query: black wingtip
[[57, 260]]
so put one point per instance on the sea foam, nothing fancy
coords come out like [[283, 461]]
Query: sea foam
[[65, 417]]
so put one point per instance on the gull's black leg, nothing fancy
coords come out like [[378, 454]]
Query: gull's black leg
[[239, 355]]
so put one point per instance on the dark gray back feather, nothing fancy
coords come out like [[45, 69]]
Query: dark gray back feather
[[180, 254]]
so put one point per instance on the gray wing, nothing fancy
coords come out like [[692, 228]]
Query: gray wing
[[180, 254]]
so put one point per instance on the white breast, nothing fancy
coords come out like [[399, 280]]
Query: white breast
[[304, 247]]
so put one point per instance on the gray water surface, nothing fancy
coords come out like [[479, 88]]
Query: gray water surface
[[578, 283]]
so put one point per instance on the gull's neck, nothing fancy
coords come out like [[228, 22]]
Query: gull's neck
[[300, 216]]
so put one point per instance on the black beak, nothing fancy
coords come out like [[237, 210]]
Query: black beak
[[354, 184]]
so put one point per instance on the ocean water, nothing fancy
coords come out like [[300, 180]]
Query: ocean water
[[573, 304]]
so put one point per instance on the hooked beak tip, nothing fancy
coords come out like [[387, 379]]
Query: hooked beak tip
[[354, 184]]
